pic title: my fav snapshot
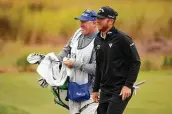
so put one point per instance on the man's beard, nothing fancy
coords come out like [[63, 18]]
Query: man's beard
[[104, 29]]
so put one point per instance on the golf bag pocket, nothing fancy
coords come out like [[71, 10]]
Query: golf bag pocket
[[78, 92]]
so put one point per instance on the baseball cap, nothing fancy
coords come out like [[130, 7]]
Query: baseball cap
[[87, 15], [106, 12]]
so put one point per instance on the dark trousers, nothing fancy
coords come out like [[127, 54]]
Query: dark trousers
[[111, 104]]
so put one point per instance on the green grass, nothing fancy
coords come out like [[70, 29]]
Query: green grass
[[20, 94], [154, 96], [6, 109]]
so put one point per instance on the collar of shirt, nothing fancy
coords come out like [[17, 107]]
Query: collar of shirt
[[85, 40], [91, 36], [102, 35], [109, 35]]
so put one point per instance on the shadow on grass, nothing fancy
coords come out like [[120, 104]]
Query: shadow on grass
[[7, 109]]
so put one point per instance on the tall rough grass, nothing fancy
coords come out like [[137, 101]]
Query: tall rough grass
[[30, 21]]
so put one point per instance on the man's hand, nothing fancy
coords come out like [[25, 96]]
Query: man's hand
[[125, 92], [68, 63], [95, 96]]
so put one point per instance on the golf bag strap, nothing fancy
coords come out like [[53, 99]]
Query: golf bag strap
[[84, 107], [60, 102]]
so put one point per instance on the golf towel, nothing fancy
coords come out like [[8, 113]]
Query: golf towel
[[49, 69]]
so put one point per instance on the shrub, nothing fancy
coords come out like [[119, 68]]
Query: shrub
[[167, 63], [22, 63], [148, 65]]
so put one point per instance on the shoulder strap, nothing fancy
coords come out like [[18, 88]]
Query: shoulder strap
[[75, 37]]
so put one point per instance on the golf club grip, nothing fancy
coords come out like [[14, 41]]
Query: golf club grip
[[139, 83]]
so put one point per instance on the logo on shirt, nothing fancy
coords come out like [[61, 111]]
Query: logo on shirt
[[109, 32], [98, 47], [110, 45], [131, 44]]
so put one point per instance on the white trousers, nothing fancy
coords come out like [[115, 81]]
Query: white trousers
[[74, 107]]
